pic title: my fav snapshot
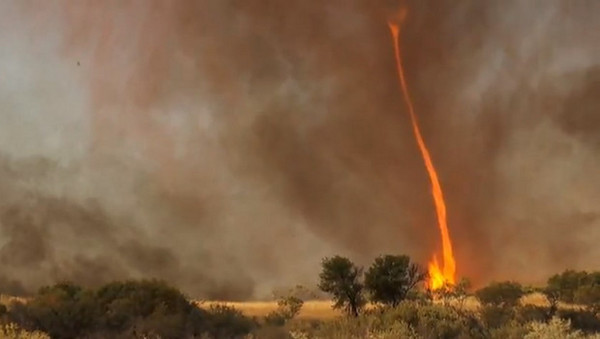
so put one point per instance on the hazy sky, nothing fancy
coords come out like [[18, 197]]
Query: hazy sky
[[227, 146]]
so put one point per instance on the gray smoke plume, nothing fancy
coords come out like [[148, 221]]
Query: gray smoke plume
[[227, 146]]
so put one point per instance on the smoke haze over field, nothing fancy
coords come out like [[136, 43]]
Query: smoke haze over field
[[227, 146]]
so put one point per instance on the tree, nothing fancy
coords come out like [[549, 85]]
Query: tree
[[502, 294], [342, 279], [563, 286], [391, 277]]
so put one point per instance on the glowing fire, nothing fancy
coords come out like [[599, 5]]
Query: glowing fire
[[438, 277]]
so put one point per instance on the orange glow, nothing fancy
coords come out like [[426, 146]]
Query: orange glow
[[438, 277]]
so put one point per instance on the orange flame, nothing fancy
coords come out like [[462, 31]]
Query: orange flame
[[438, 277]]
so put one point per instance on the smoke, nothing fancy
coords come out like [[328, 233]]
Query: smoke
[[227, 146]]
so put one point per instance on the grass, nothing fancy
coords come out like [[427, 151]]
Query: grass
[[321, 309]]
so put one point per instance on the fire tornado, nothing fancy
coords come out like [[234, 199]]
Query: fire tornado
[[438, 276]]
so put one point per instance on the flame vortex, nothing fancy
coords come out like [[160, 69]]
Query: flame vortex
[[438, 276]]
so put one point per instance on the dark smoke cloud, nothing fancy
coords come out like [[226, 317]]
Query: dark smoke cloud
[[227, 146]]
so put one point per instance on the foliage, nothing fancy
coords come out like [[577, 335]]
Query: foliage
[[63, 311], [583, 320], [407, 320], [564, 286], [13, 331], [447, 322], [555, 329], [589, 295], [509, 330], [287, 308], [458, 292], [129, 309], [578, 287], [503, 294], [367, 325], [342, 280], [529, 313], [391, 277], [227, 322], [494, 317]]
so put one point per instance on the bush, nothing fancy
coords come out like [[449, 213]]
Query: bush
[[494, 317], [447, 322], [530, 313], [146, 306], [563, 286], [365, 326], [555, 329], [503, 294], [458, 292], [227, 322], [129, 309], [13, 331], [430, 320], [510, 330], [287, 309], [63, 311], [589, 295], [583, 320]]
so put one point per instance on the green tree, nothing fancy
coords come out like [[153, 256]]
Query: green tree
[[391, 277], [342, 280], [502, 294]]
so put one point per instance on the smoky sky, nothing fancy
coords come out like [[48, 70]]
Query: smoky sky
[[227, 146]]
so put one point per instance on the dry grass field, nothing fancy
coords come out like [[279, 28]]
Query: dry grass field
[[321, 309]]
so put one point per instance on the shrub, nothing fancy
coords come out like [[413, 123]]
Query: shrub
[[504, 294], [494, 316], [510, 330], [555, 329], [63, 311], [391, 277], [446, 322], [287, 308], [227, 322], [13, 331], [458, 292], [583, 320], [529, 313], [129, 309], [563, 286], [431, 321], [148, 306], [589, 295], [342, 280]]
